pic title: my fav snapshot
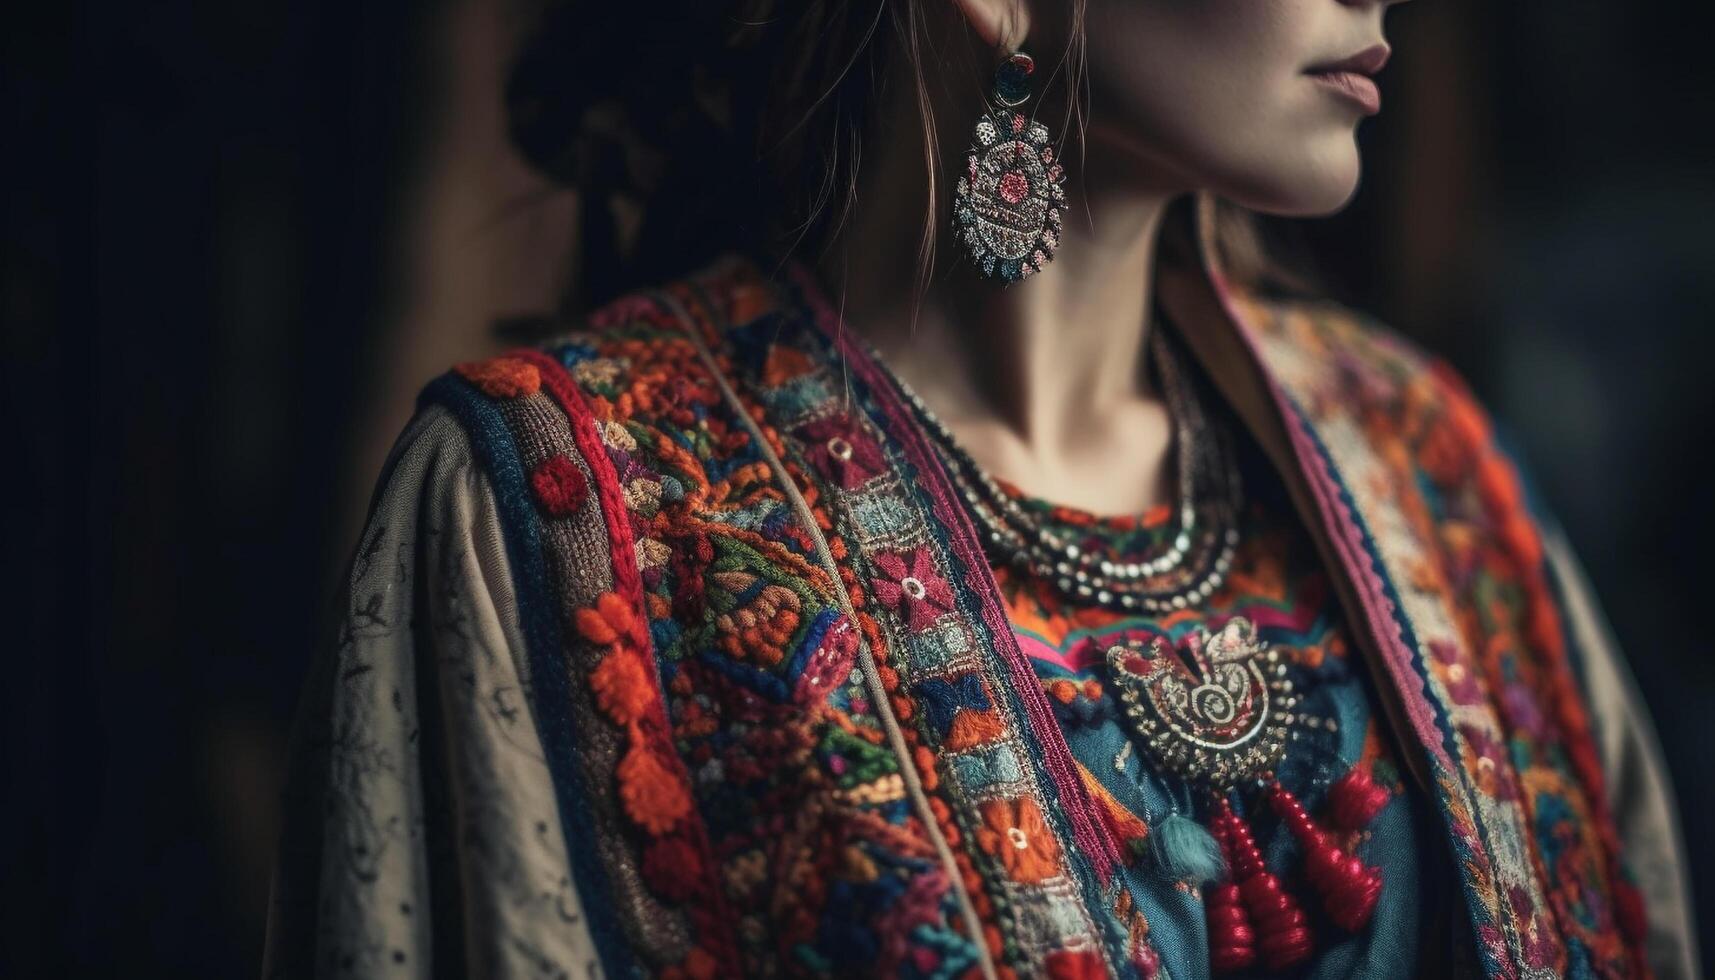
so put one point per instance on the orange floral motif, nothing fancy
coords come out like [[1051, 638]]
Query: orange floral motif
[[610, 619], [622, 686], [972, 727], [760, 630], [1063, 690], [783, 364], [1014, 832], [502, 377], [652, 795]]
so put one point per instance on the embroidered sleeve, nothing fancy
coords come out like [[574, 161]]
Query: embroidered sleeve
[[421, 826], [1639, 792]]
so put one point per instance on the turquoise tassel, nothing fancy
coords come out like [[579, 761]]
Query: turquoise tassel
[[1185, 851]]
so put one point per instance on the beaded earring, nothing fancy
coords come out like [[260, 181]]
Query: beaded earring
[[1008, 205]]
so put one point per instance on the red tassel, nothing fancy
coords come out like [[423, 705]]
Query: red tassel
[[1348, 887], [1355, 799], [1282, 933], [1232, 939]]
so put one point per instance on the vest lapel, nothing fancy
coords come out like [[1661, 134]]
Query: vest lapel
[[1407, 631]]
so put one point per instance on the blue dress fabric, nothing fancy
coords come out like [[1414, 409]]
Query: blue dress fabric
[[1279, 584]]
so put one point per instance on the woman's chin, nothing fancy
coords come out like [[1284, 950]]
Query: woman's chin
[[1320, 187]]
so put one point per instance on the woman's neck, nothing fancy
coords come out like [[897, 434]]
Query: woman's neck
[[1043, 380]]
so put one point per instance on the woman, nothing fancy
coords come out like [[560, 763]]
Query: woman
[[1061, 599]]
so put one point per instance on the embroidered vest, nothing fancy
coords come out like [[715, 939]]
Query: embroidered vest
[[791, 732]]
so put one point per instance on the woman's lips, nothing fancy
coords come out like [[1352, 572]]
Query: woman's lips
[[1359, 89]]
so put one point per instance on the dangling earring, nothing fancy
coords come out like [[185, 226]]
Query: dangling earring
[[1007, 206]]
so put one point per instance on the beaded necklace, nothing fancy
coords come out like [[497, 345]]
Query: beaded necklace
[[1193, 561]]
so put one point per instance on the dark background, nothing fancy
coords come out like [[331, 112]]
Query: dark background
[[237, 237]]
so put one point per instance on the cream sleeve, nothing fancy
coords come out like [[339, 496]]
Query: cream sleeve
[[422, 834], [1640, 794]]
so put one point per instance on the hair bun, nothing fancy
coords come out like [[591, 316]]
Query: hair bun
[[628, 100], [600, 91]]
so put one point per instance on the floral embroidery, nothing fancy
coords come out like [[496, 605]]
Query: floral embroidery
[[1459, 551], [1014, 832], [653, 795], [1461, 681], [960, 710], [839, 449], [559, 485], [502, 377], [910, 585]]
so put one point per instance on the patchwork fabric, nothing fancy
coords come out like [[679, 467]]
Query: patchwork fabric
[[798, 734]]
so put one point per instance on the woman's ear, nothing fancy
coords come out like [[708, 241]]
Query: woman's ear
[[1001, 24]]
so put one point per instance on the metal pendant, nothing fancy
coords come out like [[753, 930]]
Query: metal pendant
[[1219, 715]]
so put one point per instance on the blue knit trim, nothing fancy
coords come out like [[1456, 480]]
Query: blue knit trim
[[494, 448]]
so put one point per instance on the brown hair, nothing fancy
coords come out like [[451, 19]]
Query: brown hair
[[740, 124]]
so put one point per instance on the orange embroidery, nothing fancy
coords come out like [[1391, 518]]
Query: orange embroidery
[[610, 619], [1014, 832], [783, 364], [926, 771], [502, 377], [652, 796], [972, 728], [621, 685], [1127, 827], [761, 630], [650, 792], [1064, 691]]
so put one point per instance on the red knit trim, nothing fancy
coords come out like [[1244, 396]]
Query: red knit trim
[[655, 785]]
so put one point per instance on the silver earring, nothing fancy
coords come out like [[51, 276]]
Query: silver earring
[[1008, 205]]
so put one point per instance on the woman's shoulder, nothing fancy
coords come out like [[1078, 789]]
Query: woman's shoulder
[[546, 426], [638, 361]]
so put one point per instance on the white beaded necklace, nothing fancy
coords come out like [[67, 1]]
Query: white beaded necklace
[[1188, 569]]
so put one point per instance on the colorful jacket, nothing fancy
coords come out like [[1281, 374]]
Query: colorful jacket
[[669, 650]]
